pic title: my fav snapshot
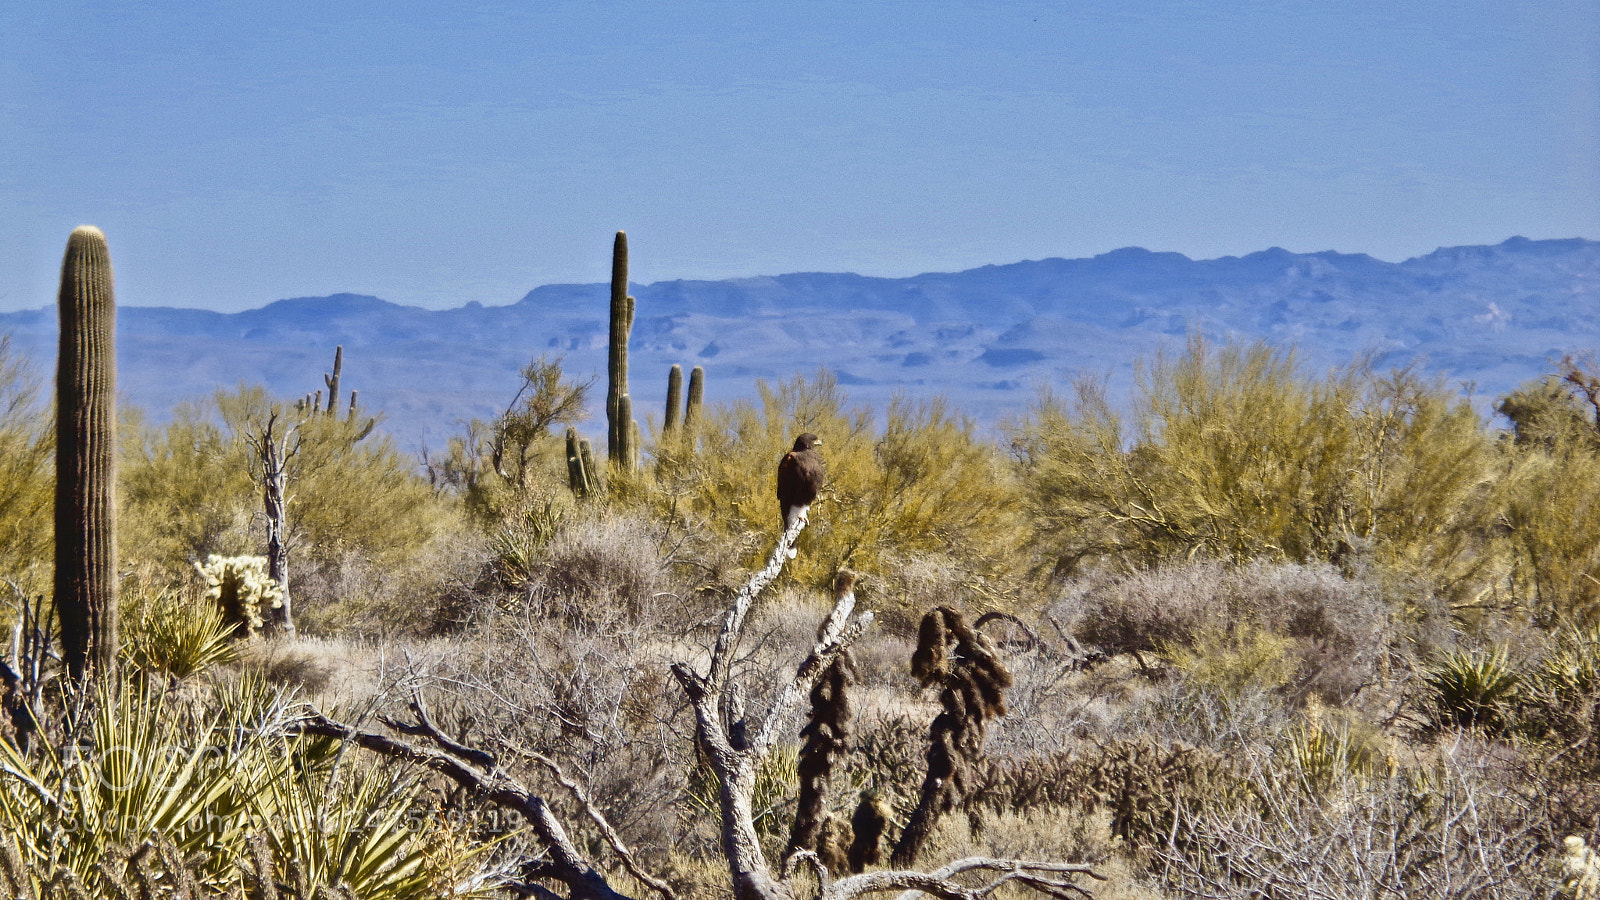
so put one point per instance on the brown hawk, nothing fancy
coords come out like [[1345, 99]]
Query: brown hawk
[[800, 474]]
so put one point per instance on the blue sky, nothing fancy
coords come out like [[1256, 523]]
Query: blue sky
[[434, 154]]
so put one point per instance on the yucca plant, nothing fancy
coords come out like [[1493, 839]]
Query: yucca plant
[[363, 834], [1326, 754], [1472, 689], [516, 545], [205, 787], [145, 766], [167, 634], [1563, 694]]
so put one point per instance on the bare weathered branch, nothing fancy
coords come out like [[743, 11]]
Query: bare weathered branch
[[733, 621], [566, 864], [837, 634], [941, 883], [612, 837]]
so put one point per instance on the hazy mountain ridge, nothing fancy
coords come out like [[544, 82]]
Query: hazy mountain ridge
[[1492, 315]]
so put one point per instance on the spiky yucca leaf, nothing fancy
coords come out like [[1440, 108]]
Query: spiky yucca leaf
[[166, 634], [150, 766], [363, 833], [1473, 689]]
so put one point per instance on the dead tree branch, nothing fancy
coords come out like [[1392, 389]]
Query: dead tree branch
[[612, 837], [735, 755], [478, 772]]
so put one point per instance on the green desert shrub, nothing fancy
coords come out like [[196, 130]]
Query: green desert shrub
[[920, 481], [1232, 453], [1233, 663], [1552, 526], [27, 478], [187, 489], [1334, 630]]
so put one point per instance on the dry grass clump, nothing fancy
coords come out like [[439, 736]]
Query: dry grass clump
[[433, 591], [598, 562], [1339, 629]]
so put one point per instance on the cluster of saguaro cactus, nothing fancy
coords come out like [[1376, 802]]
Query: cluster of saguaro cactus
[[689, 418], [581, 476], [86, 473], [622, 432], [311, 404], [242, 588]]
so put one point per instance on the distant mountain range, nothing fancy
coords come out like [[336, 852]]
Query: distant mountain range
[[1488, 316]]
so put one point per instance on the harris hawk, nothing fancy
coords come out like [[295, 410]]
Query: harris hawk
[[800, 475]]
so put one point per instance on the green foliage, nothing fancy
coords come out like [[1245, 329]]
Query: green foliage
[[497, 467], [1552, 514], [517, 543], [27, 445], [777, 781], [1473, 689], [1327, 754], [1231, 453], [1560, 699], [68, 809], [339, 831], [154, 767], [1232, 663], [1568, 679], [188, 488], [922, 482], [1544, 413], [169, 634]]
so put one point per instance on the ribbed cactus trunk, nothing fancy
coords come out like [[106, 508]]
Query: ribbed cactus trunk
[[674, 399], [620, 444], [577, 472], [86, 457], [332, 381], [586, 453], [697, 396]]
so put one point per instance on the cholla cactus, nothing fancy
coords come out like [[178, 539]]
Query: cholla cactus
[[241, 586], [1580, 871]]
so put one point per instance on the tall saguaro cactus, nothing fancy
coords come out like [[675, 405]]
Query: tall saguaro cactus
[[674, 398], [619, 427], [697, 396], [332, 381], [86, 456]]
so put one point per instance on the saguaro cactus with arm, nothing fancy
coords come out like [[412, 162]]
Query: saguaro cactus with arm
[[619, 431], [332, 381], [86, 456]]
